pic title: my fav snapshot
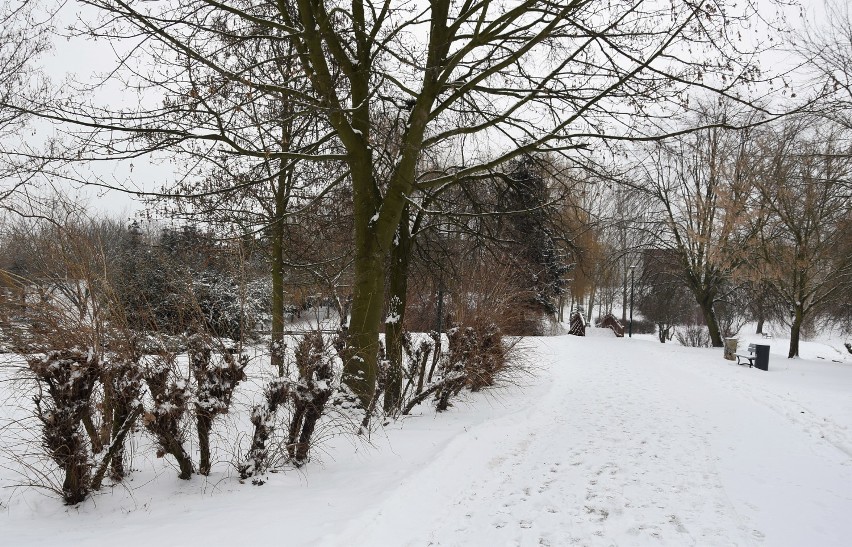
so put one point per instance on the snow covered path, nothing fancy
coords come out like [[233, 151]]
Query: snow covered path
[[625, 448], [613, 442]]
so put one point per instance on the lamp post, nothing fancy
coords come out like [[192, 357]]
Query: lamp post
[[630, 326]]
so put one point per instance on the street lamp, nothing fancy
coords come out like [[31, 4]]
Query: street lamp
[[630, 326]]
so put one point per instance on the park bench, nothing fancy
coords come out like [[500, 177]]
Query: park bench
[[750, 356], [766, 334]]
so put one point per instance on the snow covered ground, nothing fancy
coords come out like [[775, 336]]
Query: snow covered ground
[[612, 442]]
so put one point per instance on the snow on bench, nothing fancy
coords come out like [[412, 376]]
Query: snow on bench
[[750, 356]]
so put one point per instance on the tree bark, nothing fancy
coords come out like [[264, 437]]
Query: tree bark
[[795, 332], [295, 426], [123, 417], [361, 366], [709, 314], [624, 295], [204, 424], [92, 431], [278, 278], [313, 411], [376, 215], [398, 288], [116, 448], [177, 451]]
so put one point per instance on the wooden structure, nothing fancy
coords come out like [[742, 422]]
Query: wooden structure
[[609, 321], [578, 325]]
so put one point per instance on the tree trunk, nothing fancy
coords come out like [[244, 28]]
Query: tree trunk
[[376, 216], [295, 426], [709, 314], [591, 309], [398, 289], [204, 424], [108, 412], [313, 412], [760, 321], [600, 306], [115, 453], [359, 372], [277, 312], [178, 452], [795, 332], [91, 430], [376, 220], [121, 422]]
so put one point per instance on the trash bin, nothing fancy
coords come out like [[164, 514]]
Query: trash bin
[[731, 349], [761, 357]]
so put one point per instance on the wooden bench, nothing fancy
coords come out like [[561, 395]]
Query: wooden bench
[[750, 356], [766, 335]]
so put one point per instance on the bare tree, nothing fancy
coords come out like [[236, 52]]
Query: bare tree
[[802, 178], [663, 297], [699, 186], [827, 50], [22, 39]]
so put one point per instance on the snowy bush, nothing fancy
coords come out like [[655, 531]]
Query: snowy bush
[[477, 351], [693, 335], [87, 390], [478, 357], [418, 356], [216, 379], [228, 310], [310, 394], [121, 378], [170, 397], [643, 326], [160, 290], [307, 396], [66, 378], [263, 418]]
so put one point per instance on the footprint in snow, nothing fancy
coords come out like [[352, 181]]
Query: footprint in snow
[[677, 524]]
